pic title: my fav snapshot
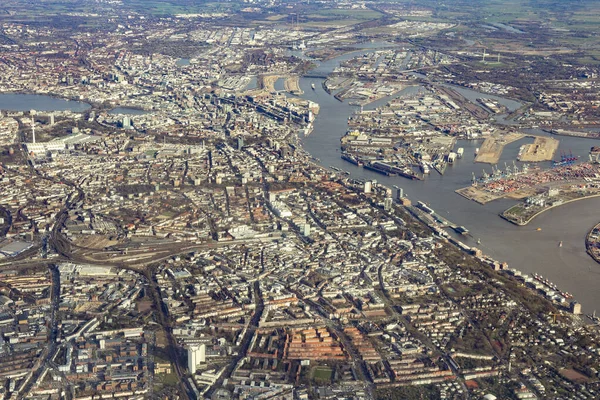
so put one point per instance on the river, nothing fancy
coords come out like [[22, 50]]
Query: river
[[525, 248], [39, 102]]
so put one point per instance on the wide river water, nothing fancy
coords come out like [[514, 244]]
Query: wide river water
[[525, 248]]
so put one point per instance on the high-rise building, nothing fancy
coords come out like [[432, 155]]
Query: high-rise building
[[240, 143], [306, 229], [196, 354], [400, 193], [387, 204], [368, 186]]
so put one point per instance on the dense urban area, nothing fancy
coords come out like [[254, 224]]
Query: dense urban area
[[166, 235]]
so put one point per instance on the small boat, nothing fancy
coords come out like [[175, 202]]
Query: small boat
[[312, 85], [538, 229], [560, 244], [478, 241]]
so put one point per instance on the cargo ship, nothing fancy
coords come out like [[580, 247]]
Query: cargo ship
[[352, 159], [391, 170], [379, 170]]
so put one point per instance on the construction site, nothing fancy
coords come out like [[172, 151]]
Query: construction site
[[542, 149], [291, 83], [493, 146], [267, 82]]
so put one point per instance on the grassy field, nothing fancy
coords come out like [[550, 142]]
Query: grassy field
[[322, 374]]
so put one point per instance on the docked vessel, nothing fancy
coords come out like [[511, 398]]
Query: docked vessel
[[461, 230], [425, 207], [352, 159], [548, 284], [392, 170], [440, 166]]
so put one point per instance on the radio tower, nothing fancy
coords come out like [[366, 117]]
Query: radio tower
[[33, 128]]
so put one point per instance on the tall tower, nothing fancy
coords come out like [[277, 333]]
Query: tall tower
[[33, 128]]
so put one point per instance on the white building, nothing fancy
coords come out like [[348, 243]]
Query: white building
[[196, 355]]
